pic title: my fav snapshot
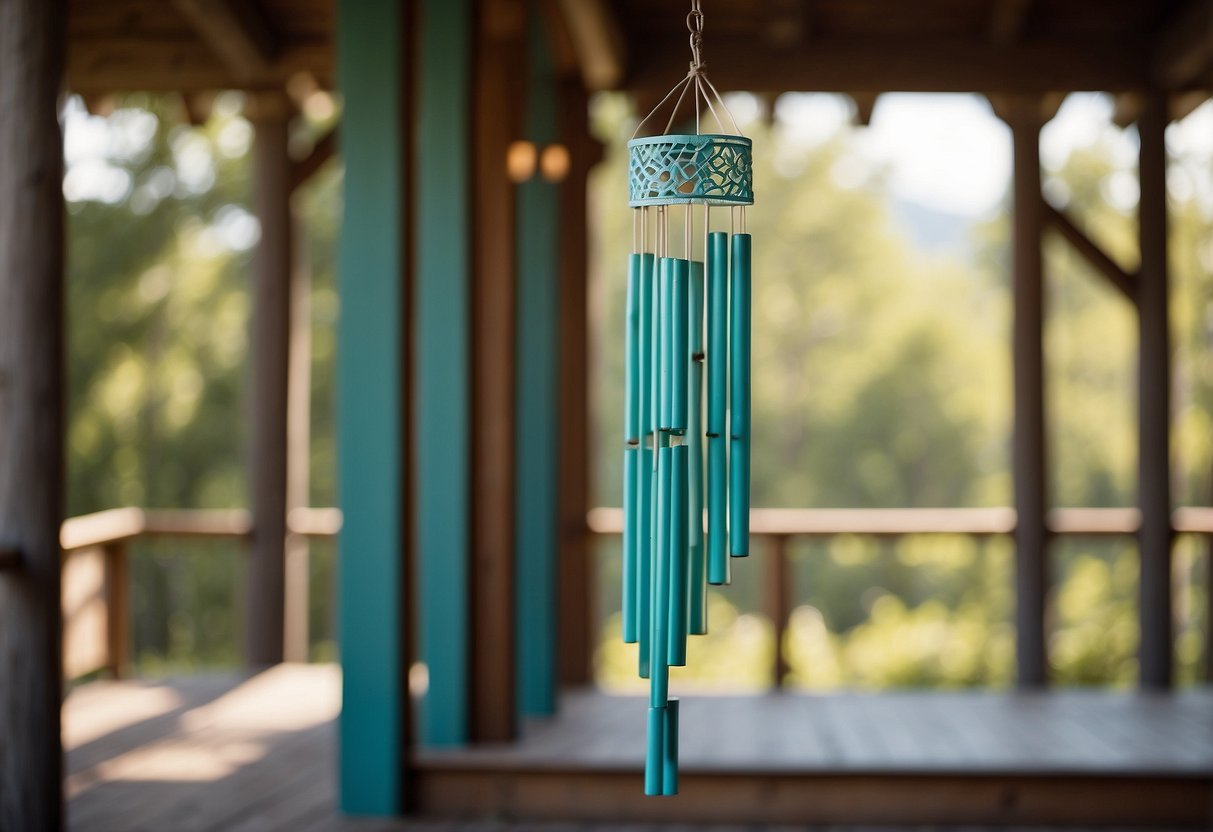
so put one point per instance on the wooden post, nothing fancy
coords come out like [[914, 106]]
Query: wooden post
[[295, 640], [117, 610], [1031, 536], [1154, 391], [576, 613], [31, 411], [271, 323], [778, 604], [500, 59]]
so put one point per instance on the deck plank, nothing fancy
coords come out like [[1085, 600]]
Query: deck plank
[[246, 753]]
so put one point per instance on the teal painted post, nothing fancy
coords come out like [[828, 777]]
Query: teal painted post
[[537, 422], [372, 49], [442, 367]]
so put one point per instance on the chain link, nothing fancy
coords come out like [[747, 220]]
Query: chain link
[[695, 26]]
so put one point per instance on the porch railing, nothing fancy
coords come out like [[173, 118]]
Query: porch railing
[[782, 525], [96, 584], [96, 581]]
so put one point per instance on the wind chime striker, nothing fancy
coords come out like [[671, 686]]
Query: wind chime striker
[[688, 309]]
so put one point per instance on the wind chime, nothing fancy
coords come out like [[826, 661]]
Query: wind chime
[[675, 180]]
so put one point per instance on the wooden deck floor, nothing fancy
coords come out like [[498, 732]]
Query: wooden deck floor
[[257, 753]]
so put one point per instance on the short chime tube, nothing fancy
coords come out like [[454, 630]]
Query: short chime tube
[[681, 324], [717, 360], [739, 398]]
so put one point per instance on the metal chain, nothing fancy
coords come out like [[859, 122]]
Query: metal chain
[[695, 26]]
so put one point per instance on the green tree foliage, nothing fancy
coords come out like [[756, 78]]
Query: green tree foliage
[[882, 379], [159, 257]]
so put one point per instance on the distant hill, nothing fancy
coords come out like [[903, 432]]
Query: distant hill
[[934, 231]]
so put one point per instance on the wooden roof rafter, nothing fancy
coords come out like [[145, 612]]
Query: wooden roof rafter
[[239, 34]]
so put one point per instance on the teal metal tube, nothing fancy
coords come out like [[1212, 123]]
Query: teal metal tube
[[644, 492], [679, 352], [669, 750], [697, 622], [665, 351], [677, 655], [659, 670], [717, 361], [631, 454], [739, 399], [631, 531], [654, 759], [631, 353]]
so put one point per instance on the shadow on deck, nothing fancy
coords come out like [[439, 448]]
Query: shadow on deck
[[257, 753]]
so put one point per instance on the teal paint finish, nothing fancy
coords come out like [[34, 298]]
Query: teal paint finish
[[717, 360], [442, 340], [371, 43], [739, 397], [537, 430]]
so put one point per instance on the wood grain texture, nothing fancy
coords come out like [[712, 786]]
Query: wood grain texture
[[31, 410]]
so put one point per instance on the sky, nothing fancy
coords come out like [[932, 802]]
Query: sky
[[951, 153]]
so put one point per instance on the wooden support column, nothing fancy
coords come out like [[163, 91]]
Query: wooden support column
[[576, 609], [271, 326], [1028, 447], [374, 42], [537, 362], [499, 68], [31, 411], [297, 548], [1154, 392], [778, 603]]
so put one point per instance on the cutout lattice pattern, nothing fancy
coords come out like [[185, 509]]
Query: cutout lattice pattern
[[706, 169]]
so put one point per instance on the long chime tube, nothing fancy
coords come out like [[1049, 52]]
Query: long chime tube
[[659, 670], [717, 361], [677, 654], [632, 450], [647, 458], [669, 761], [739, 399], [697, 623], [654, 761]]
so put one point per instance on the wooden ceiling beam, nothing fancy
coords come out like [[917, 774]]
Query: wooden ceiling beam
[[239, 33], [104, 65], [924, 65], [598, 42], [1183, 49], [1008, 20], [1130, 104]]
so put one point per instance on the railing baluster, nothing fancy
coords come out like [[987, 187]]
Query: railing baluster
[[117, 609], [777, 597]]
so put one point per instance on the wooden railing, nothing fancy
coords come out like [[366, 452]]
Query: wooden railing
[[781, 525], [96, 583]]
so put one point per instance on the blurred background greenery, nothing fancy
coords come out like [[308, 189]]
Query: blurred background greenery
[[882, 379]]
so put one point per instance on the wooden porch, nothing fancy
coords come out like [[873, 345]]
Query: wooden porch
[[256, 751]]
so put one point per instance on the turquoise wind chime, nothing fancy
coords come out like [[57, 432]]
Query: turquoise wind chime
[[688, 310]]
